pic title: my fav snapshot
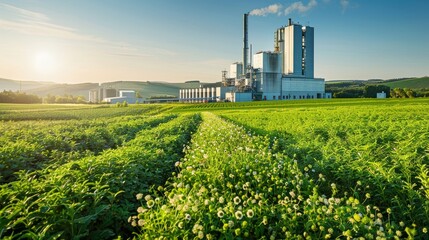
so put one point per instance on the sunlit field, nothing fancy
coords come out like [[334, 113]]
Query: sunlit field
[[316, 169]]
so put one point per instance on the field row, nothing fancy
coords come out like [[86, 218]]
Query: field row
[[385, 150], [93, 196], [234, 184], [31, 145], [69, 112]]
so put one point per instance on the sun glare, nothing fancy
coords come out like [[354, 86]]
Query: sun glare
[[45, 63]]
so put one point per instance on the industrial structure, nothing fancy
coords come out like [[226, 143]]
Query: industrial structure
[[128, 96], [287, 72], [111, 95]]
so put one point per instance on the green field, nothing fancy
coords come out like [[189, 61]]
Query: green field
[[316, 169]]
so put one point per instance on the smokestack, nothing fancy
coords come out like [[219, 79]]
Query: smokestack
[[245, 43], [289, 22]]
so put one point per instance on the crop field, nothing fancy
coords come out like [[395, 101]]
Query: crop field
[[328, 169]]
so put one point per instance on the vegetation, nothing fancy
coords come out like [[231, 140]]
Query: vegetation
[[64, 99], [333, 169], [398, 88], [18, 97], [92, 197]]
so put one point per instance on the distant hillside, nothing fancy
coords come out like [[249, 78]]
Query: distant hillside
[[16, 85], [412, 83], [146, 89], [80, 89]]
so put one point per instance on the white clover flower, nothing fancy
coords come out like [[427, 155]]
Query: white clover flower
[[139, 196], [177, 164], [180, 225], [239, 215], [147, 197], [230, 224], [140, 209], [265, 220], [250, 213], [200, 235], [140, 222], [220, 214], [150, 203]]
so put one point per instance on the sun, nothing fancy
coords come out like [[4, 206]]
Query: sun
[[45, 63]]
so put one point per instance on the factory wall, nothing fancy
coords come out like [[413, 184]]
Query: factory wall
[[128, 94], [203, 94], [236, 70], [302, 88], [308, 35], [124, 95], [293, 50], [221, 92], [269, 62], [238, 96]]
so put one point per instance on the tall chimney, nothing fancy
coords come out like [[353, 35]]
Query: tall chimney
[[245, 43], [289, 22]]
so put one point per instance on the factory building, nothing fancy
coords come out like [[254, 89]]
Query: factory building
[[286, 73], [124, 96], [97, 95]]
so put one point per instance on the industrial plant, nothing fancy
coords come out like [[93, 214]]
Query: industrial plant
[[285, 73]]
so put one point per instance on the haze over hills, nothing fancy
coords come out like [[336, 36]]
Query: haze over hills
[[146, 89], [149, 89]]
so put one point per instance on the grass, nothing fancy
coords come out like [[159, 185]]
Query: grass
[[337, 168]]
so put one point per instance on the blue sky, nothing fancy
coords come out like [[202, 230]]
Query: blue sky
[[168, 40]]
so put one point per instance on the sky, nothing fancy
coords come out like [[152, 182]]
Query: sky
[[75, 41]]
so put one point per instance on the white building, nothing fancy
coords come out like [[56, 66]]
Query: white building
[[381, 94], [124, 96], [283, 74]]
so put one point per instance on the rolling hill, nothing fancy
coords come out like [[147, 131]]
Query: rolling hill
[[146, 89], [413, 83]]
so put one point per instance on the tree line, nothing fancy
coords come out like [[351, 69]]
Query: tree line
[[64, 99], [22, 97], [370, 91], [18, 97]]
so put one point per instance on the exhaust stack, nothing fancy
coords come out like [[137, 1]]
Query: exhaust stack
[[245, 43]]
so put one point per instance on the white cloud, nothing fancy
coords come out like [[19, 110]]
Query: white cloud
[[26, 13], [344, 4], [38, 24], [272, 9], [46, 29], [300, 7]]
